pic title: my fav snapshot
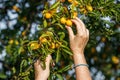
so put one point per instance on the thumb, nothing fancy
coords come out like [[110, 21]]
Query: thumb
[[70, 32], [48, 59]]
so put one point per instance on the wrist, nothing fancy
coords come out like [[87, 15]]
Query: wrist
[[78, 51], [40, 77], [79, 58], [78, 55]]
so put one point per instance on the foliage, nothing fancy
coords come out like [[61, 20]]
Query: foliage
[[39, 30]]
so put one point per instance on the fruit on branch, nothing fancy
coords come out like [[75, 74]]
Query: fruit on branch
[[68, 22], [48, 15], [63, 20]]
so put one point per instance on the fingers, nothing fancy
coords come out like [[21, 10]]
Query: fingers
[[77, 24], [81, 22], [47, 62], [70, 32], [37, 64], [48, 59], [87, 33], [81, 29], [87, 36]]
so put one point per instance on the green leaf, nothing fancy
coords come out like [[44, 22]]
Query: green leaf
[[65, 47], [65, 43], [59, 77], [65, 68], [45, 23], [58, 24], [55, 5], [13, 70], [53, 21], [20, 50], [62, 35], [8, 49], [58, 56], [2, 76], [66, 51], [23, 64]]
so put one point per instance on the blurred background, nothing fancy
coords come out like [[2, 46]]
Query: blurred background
[[23, 17]]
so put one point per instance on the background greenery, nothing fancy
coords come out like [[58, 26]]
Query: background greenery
[[26, 35]]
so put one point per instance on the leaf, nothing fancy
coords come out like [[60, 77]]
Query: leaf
[[55, 5], [53, 21], [20, 50], [65, 43], [2, 76], [13, 70], [24, 73], [45, 23], [58, 56], [66, 51], [62, 35], [8, 49], [58, 24], [23, 64], [59, 76], [65, 68]]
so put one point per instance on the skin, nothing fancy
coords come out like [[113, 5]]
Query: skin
[[41, 74], [77, 44]]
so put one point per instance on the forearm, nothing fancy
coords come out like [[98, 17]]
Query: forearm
[[82, 72], [40, 77]]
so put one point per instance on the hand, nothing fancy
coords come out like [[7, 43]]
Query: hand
[[78, 41], [77, 45], [41, 74]]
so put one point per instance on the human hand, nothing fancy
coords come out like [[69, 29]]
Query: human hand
[[78, 41], [41, 74]]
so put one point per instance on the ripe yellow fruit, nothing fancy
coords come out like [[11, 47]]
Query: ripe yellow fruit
[[34, 45], [115, 59], [23, 33], [70, 1], [16, 42], [11, 41], [93, 50], [103, 39], [58, 44], [81, 7], [53, 11], [24, 18], [43, 40], [85, 11], [63, 20], [75, 14], [16, 8], [52, 46], [68, 22], [75, 3], [48, 15], [89, 7]]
